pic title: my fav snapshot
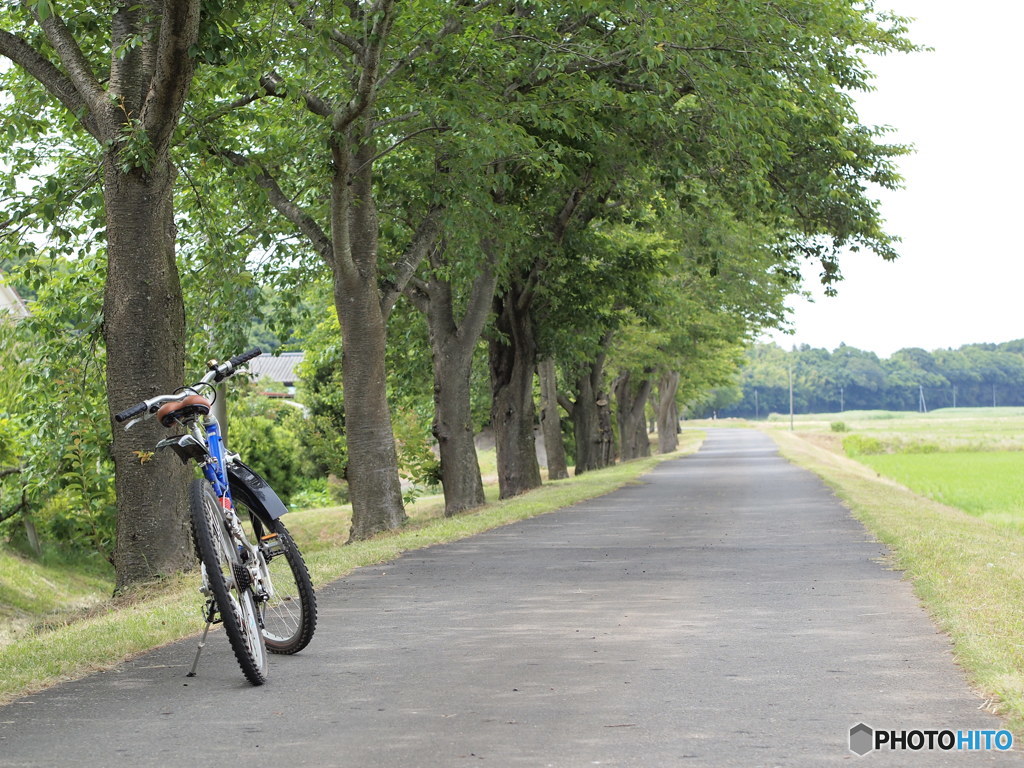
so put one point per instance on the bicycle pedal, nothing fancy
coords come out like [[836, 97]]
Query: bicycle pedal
[[271, 545]]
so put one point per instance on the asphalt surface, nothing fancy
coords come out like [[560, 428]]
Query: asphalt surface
[[725, 611]]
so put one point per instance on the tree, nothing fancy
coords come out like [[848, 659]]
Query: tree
[[121, 75], [379, 56], [453, 341]]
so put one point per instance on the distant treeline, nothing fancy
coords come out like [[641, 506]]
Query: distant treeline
[[975, 375]]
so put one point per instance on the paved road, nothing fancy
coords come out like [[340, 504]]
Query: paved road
[[726, 611]]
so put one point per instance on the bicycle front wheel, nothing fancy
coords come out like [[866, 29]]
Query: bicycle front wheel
[[228, 580], [289, 616]]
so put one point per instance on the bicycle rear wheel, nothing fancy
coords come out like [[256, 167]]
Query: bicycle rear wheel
[[289, 616], [228, 579]]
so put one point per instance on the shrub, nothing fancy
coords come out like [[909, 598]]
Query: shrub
[[840, 426], [862, 445]]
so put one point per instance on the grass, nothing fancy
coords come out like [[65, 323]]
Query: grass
[[988, 485], [973, 429], [968, 570], [29, 589], [72, 643]]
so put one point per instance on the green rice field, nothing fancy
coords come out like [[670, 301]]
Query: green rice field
[[968, 458], [989, 485]]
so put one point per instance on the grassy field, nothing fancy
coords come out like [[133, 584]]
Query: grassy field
[[965, 429], [943, 492], [983, 484], [82, 630]]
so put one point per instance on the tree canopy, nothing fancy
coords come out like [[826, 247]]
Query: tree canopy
[[624, 192]]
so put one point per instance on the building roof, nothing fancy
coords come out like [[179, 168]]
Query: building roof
[[10, 301], [279, 368]]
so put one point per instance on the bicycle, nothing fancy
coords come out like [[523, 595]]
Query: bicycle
[[259, 587]]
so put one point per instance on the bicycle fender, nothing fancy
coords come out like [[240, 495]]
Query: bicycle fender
[[253, 491]]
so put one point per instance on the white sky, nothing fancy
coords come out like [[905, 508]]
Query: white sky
[[960, 278]]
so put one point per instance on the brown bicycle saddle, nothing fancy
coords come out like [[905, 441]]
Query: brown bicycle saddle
[[193, 405]]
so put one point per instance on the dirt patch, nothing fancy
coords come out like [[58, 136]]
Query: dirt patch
[[830, 442]]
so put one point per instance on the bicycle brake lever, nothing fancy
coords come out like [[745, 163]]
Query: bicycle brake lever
[[133, 422]]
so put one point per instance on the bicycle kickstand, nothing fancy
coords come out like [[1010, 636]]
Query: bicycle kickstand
[[202, 641]]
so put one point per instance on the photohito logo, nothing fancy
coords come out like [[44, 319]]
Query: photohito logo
[[864, 739]]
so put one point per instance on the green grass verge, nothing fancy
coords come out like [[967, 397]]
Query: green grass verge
[[968, 571], [29, 589], [71, 645]]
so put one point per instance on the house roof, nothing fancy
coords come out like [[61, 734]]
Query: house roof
[[279, 368], [10, 301]]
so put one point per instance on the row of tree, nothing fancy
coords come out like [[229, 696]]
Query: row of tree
[[575, 183], [912, 379]]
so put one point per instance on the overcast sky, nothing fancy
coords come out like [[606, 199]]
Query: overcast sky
[[960, 278]]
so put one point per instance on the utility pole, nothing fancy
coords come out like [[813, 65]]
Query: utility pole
[[790, 397], [922, 407]]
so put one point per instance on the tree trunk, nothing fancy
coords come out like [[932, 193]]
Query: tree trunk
[[144, 330], [630, 404], [551, 421], [374, 486], [452, 348], [668, 412], [453, 430], [513, 352], [131, 104], [591, 418]]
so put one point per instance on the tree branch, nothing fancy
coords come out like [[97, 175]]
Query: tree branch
[[287, 208], [422, 243], [399, 143], [335, 34], [567, 405], [75, 64], [451, 26], [130, 65], [168, 86], [59, 85], [418, 292], [481, 296], [369, 77], [349, 42]]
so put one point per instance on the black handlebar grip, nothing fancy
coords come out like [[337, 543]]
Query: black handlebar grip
[[135, 410], [245, 357]]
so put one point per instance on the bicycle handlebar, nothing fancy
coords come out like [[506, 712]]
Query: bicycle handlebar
[[226, 369], [217, 373], [126, 414]]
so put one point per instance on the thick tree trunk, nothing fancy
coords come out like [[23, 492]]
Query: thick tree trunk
[[374, 486], [630, 403], [551, 421], [513, 353], [144, 329], [131, 105], [668, 412]]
